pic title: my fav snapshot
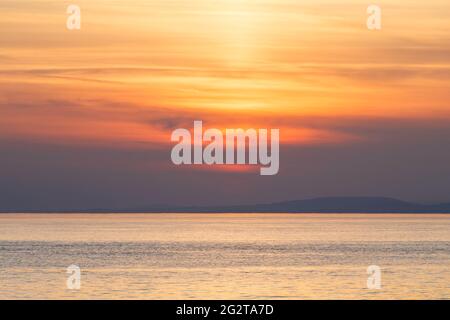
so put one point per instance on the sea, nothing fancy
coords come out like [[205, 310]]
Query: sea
[[224, 256]]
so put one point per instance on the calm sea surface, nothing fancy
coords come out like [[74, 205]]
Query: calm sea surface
[[224, 256]]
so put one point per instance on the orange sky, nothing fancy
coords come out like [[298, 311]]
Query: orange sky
[[138, 69]]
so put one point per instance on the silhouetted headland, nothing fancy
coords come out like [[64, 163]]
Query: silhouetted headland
[[316, 205]]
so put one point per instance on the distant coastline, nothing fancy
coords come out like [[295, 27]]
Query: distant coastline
[[316, 205]]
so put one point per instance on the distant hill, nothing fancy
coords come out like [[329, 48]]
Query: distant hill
[[317, 205], [329, 205]]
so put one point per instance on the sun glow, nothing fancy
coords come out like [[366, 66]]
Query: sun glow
[[132, 71]]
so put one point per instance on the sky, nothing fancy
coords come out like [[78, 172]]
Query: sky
[[86, 115]]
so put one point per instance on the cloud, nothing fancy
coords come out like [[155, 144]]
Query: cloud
[[403, 158]]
